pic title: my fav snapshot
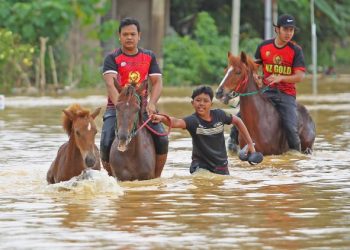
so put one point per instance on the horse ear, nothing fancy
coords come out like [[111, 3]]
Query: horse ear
[[244, 57], [229, 54], [69, 114], [142, 88], [117, 85], [96, 112]]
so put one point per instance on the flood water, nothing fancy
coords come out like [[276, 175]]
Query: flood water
[[290, 201]]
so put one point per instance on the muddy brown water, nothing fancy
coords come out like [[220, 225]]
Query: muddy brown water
[[290, 201]]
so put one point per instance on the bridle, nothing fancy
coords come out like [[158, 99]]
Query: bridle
[[136, 129], [240, 89]]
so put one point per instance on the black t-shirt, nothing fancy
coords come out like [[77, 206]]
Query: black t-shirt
[[208, 137]]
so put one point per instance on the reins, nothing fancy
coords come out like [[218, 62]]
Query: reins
[[235, 93], [152, 130]]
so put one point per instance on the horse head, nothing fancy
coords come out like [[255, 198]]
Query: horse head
[[236, 77], [128, 112], [81, 128]]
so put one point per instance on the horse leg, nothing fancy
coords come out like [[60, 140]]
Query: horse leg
[[107, 166], [307, 130], [50, 176], [160, 162]]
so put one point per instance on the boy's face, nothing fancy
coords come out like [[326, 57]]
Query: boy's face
[[202, 104]]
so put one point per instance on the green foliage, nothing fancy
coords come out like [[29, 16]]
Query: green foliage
[[108, 29], [32, 19], [14, 55], [200, 60], [332, 19]]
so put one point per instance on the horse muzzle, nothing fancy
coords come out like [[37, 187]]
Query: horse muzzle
[[90, 160], [122, 146], [222, 96], [219, 93], [123, 142]]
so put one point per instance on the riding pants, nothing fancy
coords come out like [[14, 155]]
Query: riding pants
[[108, 134], [287, 108]]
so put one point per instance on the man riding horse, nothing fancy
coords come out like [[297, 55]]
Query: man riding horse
[[283, 66], [129, 63]]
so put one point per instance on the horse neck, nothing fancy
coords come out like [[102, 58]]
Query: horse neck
[[73, 149], [251, 86], [252, 102]]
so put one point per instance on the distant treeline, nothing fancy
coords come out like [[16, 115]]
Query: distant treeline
[[53, 45]]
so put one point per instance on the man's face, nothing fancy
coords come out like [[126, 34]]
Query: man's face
[[285, 34], [202, 104], [129, 37]]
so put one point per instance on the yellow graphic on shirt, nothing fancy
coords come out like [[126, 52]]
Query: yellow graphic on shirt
[[277, 59], [277, 68], [134, 76]]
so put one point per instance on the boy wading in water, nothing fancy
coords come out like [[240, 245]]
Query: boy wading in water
[[206, 127]]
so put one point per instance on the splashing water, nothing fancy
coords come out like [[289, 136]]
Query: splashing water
[[89, 182]]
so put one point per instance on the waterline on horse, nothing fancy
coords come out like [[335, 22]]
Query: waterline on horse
[[80, 152], [257, 111]]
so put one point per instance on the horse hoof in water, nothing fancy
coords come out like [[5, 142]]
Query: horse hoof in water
[[308, 151], [232, 146]]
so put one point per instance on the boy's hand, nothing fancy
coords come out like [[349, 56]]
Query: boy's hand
[[251, 148], [156, 118]]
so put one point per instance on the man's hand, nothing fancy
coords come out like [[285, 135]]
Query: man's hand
[[258, 80], [151, 108], [272, 79]]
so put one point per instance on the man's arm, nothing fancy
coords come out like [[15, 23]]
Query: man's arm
[[157, 86], [111, 90], [298, 76]]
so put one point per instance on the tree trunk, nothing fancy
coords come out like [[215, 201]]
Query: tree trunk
[[53, 68], [43, 41], [23, 74], [37, 72]]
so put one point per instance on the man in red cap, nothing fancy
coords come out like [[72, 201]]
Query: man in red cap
[[283, 66]]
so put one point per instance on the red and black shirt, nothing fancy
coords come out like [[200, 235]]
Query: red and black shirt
[[131, 68], [280, 61]]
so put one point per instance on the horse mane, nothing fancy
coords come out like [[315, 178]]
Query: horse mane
[[127, 92], [77, 111], [236, 60]]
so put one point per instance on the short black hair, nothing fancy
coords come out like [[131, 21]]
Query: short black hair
[[129, 21], [202, 90]]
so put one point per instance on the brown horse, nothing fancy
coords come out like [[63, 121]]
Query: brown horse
[[80, 152], [258, 113], [132, 155]]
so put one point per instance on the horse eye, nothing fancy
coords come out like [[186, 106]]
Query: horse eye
[[238, 72], [77, 133]]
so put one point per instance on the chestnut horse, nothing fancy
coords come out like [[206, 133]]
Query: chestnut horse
[[80, 152], [258, 113], [132, 155]]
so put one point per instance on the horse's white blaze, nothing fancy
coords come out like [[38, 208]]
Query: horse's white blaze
[[89, 126], [227, 73]]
